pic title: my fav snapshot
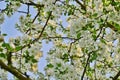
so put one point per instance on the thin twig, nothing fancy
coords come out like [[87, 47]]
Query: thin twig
[[36, 16], [99, 33], [22, 12], [72, 43], [57, 37], [82, 6], [95, 70], [33, 21], [28, 9], [87, 62], [89, 55]]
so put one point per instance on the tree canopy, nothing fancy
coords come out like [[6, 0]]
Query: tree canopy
[[86, 44]]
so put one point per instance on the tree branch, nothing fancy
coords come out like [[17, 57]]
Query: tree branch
[[33, 21], [89, 55], [82, 6], [22, 12], [13, 71], [87, 62], [57, 37], [116, 76], [99, 33], [75, 40], [112, 26], [9, 56]]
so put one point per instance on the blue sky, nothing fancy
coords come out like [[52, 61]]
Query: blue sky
[[8, 26]]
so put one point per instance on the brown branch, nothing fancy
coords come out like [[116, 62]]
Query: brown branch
[[87, 62], [72, 43], [99, 33], [43, 27], [57, 37], [111, 26], [116, 76], [36, 16], [9, 58], [82, 6], [28, 9], [13, 71], [71, 57], [22, 12], [89, 55], [33, 21]]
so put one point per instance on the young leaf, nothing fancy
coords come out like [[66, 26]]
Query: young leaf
[[50, 65]]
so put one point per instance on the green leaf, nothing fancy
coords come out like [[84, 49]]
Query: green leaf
[[117, 26], [4, 34], [2, 55], [103, 41], [93, 57], [18, 48], [67, 1], [34, 60], [95, 14], [50, 65], [7, 45], [58, 64], [85, 28], [113, 3], [94, 36], [65, 57], [78, 35], [1, 49]]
